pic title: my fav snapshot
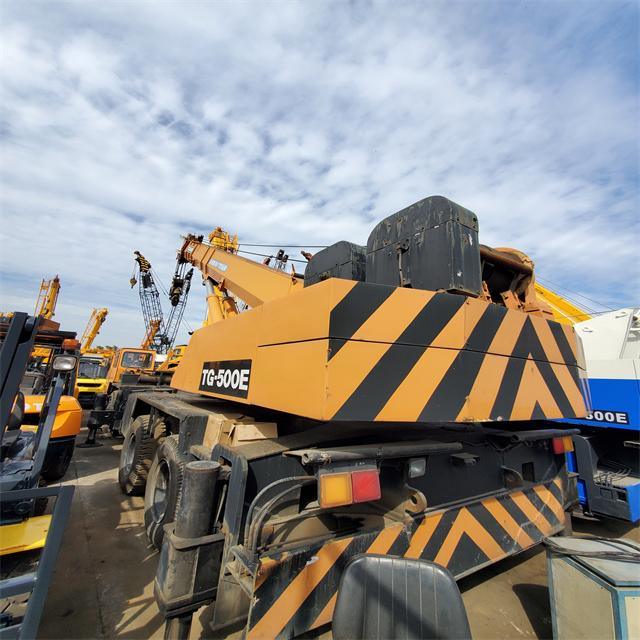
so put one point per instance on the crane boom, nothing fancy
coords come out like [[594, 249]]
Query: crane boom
[[96, 320], [47, 298], [250, 281], [160, 334], [563, 310], [150, 336]]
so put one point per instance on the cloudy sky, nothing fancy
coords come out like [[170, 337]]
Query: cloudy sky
[[126, 124]]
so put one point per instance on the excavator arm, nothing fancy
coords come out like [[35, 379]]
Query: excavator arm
[[252, 282]]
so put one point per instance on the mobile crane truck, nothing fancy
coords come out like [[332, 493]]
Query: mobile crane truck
[[396, 400], [605, 454]]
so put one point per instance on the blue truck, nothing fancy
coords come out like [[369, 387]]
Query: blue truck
[[606, 452]]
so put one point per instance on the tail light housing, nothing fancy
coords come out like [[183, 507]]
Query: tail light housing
[[562, 444], [336, 489]]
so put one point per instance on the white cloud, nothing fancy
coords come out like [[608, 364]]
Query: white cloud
[[124, 126]]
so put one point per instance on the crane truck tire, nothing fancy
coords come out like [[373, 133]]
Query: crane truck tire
[[164, 489], [137, 453]]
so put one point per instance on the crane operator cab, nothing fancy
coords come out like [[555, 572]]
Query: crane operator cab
[[92, 379], [130, 360]]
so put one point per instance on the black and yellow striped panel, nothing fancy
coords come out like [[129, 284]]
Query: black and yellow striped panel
[[297, 591], [438, 357]]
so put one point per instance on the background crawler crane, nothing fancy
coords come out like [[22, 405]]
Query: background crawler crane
[[160, 334]]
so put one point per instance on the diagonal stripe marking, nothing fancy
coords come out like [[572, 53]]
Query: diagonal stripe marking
[[285, 607], [508, 523], [353, 309], [535, 517], [466, 523], [356, 359], [422, 535], [533, 389], [570, 388], [381, 545], [550, 500], [547, 341]]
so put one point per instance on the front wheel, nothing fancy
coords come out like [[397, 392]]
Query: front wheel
[[57, 459], [164, 489]]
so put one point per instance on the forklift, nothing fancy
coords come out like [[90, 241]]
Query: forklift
[[30, 537]]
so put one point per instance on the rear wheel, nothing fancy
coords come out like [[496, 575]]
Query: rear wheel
[[164, 489], [138, 449]]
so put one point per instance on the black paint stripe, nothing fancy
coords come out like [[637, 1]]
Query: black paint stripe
[[439, 535], [450, 395], [538, 413], [563, 343], [381, 382], [546, 511], [517, 514], [484, 332], [355, 309], [271, 589], [320, 595], [557, 492], [528, 344], [466, 556], [508, 390], [556, 389], [494, 529], [400, 545]]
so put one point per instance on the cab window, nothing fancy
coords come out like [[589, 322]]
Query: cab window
[[92, 369], [135, 360]]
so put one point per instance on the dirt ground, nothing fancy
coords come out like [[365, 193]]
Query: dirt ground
[[103, 584]]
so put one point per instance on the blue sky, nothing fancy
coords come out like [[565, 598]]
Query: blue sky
[[124, 125]]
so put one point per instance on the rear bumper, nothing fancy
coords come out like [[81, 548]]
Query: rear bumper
[[296, 591]]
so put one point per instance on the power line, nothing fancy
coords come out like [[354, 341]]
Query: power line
[[286, 246], [555, 284], [264, 255]]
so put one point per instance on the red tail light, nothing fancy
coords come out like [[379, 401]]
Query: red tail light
[[562, 444], [348, 487], [365, 485]]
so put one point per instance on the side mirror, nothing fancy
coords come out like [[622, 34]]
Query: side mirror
[[17, 413], [389, 597]]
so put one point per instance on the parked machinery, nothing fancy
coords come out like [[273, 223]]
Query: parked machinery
[[396, 400], [94, 363], [160, 334], [23, 457], [607, 449], [48, 298], [49, 343], [606, 454]]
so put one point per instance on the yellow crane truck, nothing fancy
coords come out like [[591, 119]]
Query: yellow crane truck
[[94, 363], [395, 400]]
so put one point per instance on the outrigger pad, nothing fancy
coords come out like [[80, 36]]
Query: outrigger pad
[[391, 597]]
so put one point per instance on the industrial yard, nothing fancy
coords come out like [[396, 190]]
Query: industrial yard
[[319, 320]]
